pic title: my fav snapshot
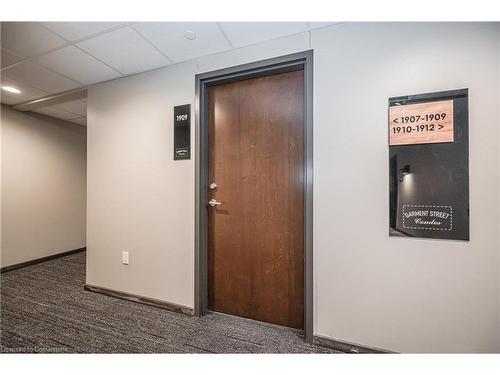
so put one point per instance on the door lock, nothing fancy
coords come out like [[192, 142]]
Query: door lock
[[214, 203], [212, 186]]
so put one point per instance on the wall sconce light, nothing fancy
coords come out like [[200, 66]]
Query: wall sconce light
[[403, 172]]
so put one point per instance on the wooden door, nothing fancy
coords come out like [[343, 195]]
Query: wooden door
[[256, 236]]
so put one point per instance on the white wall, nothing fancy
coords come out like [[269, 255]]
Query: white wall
[[139, 199], [409, 295], [43, 186]]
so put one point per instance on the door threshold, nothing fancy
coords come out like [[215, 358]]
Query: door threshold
[[271, 325]]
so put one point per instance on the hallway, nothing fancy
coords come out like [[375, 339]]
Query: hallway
[[45, 309]]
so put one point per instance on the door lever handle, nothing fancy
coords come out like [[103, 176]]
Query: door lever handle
[[214, 203]]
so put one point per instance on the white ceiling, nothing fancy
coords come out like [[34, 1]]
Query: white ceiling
[[125, 51], [47, 58], [169, 38], [245, 33], [77, 65]]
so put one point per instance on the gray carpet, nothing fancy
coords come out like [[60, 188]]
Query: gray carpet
[[45, 309]]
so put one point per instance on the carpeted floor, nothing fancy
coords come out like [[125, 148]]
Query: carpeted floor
[[45, 309]]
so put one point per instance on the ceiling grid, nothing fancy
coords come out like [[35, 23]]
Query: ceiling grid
[[44, 59]]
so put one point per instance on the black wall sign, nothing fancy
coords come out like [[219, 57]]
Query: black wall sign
[[429, 165], [182, 132]]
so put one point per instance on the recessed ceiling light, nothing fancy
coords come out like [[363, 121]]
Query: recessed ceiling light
[[11, 89], [190, 35]]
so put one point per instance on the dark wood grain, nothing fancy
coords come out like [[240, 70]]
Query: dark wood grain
[[256, 238]]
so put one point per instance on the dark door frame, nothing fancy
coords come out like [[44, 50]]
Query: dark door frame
[[296, 61]]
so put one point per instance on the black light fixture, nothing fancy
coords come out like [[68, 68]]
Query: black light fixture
[[403, 172]]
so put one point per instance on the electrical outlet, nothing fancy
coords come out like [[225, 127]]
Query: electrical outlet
[[124, 257]]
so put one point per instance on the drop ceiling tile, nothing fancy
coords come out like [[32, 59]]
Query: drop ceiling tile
[[78, 107], [39, 77], [246, 33], [27, 93], [28, 39], [53, 111], [124, 50], [317, 25], [169, 38], [74, 31], [80, 121], [77, 65], [9, 58]]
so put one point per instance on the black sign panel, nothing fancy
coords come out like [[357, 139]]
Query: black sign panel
[[182, 132], [429, 165]]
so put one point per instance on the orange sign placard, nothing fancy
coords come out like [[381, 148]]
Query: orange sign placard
[[420, 123]]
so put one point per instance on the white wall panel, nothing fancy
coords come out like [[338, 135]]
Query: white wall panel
[[402, 294], [43, 186]]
